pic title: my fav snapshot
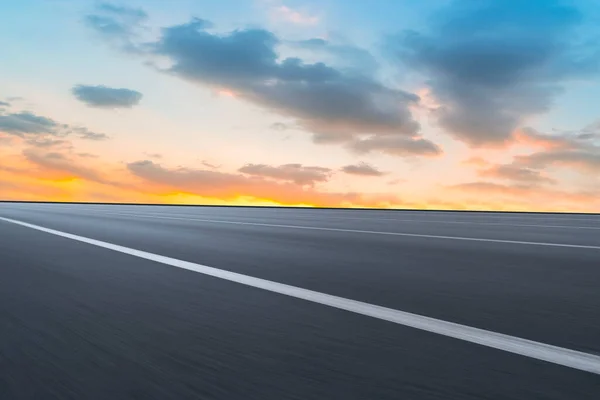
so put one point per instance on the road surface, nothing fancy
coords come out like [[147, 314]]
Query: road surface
[[156, 302]]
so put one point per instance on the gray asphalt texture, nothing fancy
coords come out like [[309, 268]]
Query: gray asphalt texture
[[82, 322]]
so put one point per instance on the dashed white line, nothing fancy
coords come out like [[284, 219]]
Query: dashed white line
[[528, 348]]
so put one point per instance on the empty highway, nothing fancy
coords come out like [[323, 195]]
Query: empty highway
[[168, 302]]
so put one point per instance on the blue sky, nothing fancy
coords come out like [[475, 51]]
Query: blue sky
[[440, 104]]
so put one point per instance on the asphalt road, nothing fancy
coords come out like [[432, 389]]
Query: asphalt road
[[79, 321]]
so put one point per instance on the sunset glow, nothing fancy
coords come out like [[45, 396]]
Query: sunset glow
[[272, 103]]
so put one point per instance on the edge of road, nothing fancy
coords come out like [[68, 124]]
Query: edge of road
[[390, 210]]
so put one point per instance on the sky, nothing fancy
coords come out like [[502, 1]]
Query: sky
[[430, 104]]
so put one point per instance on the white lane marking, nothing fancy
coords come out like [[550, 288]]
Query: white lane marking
[[316, 228], [528, 348], [534, 217], [321, 218]]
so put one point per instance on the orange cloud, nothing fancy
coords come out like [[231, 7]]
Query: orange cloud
[[65, 178], [516, 173], [524, 197], [233, 186], [476, 161], [533, 138], [49, 176]]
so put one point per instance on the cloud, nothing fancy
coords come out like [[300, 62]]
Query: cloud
[[127, 12], [147, 181], [45, 142], [396, 181], [6, 140], [348, 54], [296, 173], [476, 161], [279, 126], [516, 173], [119, 25], [86, 134], [533, 137], [588, 160], [288, 14], [396, 146], [23, 123], [491, 188], [579, 149], [362, 169], [59, 162], [106, 97], [228, 186], [61, 165], [26, 124], [575, 149], [492, 64], [335, 105], [581, 139], [528, 196], [4, 104], [210, 165], [156, 156], [86, 155]]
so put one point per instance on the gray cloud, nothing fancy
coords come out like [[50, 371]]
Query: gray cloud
[[324, 100], [336, 105], [210, 165], [280, 126], [45, 142], [86, 134], [106, 97], [348, 54], [396, 146], [362, 169], [154, 155], [28, 125], [588, 160], [4, 104], [23, 123], [516, 173], [296, 173], [491, 64]]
